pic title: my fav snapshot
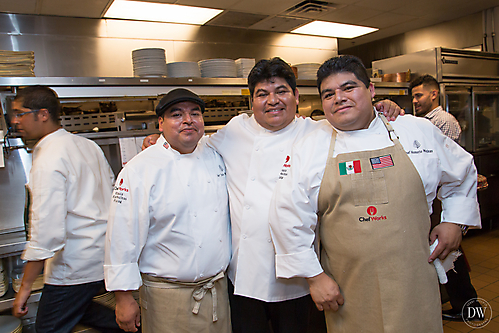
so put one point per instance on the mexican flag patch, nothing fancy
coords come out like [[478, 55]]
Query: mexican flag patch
[[347, 168]]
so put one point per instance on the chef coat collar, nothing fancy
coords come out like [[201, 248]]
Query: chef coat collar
[[263, 131], [162, 141], [48, 138], [375, 122]]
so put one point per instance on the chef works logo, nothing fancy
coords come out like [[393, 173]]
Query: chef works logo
[[477, 313], [119, 193], [371, 211], [285, 168]]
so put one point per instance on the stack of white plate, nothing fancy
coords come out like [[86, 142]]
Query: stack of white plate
[[10, 324], [307, 71], [149, 62], [218, 68], [244, 66], [17, 63], [4, 285], [183, 69]]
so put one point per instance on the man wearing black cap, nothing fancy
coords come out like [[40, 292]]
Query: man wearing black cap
[[168, 229]]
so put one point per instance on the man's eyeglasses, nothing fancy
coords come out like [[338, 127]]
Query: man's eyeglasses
[[20, 114]]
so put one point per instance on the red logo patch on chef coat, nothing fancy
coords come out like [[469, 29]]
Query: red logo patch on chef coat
[[371, 210], [121, 181], [285, 167]]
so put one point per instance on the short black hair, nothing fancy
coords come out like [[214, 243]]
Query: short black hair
[[266, 69], [426, 80], [341, 64], [40, 97]]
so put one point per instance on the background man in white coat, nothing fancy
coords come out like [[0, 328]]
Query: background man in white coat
[[70, 185], [371, 194], [169, 229], [255, 149]]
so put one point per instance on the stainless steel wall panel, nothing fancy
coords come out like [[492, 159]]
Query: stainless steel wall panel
[[96, 47]]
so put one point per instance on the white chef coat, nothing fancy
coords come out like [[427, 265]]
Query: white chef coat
[[70, 184], [254, 157], [438, 160], [169, 218]]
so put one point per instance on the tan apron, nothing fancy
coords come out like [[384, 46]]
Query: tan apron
[[374, 229], [174, 307]]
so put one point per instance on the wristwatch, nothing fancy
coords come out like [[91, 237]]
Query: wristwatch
[[464, 229]]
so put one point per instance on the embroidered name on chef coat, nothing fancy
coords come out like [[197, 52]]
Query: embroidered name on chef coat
[[285, 168]]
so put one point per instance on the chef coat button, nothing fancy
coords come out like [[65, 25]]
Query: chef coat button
[[220, 240], [201, 275], [247, 207], [253, 179], [257, 148], [216, 210], [209, 181], [200, 246], [269, 240], [244, 236], [195, 214], [188, 185], [281, 149]]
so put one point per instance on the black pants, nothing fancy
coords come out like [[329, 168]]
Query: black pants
[[249, 315], [459, 287], [62, 307]]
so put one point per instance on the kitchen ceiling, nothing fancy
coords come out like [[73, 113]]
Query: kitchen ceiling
[[392, 17]]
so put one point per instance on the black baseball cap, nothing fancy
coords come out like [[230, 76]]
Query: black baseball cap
[[176, 96]]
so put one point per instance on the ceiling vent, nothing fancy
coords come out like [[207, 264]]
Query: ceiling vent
[[312, 8], [236, 19]]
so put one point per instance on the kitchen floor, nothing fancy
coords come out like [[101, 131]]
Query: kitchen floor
[[482, 251]]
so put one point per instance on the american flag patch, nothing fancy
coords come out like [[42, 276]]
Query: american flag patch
[[381, 162]]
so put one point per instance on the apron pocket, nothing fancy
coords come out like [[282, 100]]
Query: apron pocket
[[369, 188]]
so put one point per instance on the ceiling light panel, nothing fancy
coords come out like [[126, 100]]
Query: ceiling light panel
[[160, 12], [331, 29]]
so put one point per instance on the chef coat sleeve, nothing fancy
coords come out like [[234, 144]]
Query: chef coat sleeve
[[458, 181], [127, 230], [293, 214], [48, 209]]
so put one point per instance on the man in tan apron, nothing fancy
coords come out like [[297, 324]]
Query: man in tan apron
[[370, 192]]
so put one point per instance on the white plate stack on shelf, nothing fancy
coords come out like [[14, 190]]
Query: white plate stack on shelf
[[307, 71], [183, 69], [244, 66], [4, 284], [17, 63], [149, 62], [218, 68], [10, 324]]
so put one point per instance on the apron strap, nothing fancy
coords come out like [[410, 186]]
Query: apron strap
[[391, 132], [200, 291]]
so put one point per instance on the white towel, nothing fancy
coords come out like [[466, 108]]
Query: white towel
[[443, 266]]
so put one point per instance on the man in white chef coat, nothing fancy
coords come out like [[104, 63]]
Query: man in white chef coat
[[254, 149], [70, 185], [370, 183], [168, 230], [426, 99]]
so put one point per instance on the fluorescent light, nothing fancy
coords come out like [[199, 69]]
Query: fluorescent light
[[331, 29], [160, 12]]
